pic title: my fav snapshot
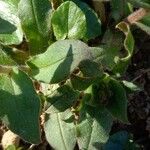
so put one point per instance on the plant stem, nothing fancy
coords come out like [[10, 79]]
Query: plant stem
[[7, 69], [55, 3], [136, 16]]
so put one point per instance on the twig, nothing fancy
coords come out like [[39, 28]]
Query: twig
[[139, 76], [136, 16]]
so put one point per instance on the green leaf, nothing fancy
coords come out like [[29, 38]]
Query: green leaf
[[8, 14], [35, 20], [11, 147], [4, 58], [13, 2], [144, 24], [144, 27], [20, 105], [110, 54], [131, 86], [93, 24], [111, 48], [140, 3], [118, 101], [61, 99], [60, 59], [6, 27], [93, 128], [60, 134], [69, 21], [120, 9], [123, 62], [89, 73]]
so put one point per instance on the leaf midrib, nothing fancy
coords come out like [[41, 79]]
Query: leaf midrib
[[35, 16], [48, 65], [61, 131]]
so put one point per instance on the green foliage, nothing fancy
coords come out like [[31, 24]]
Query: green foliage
[[59, 130], [59, 52], [73, 20], [20, 105], [35, 21], [140, 3], [9, 15], [61, 99], [65, 56], [117, 104], [93, 127]]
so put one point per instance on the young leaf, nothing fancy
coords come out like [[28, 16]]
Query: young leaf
[[35, 20], [60, 59], [118, 101], [9, 16], [59, 132], [69, 21], [93, 128], [20, 105], [129, 47], [111, 48], [62, 98]]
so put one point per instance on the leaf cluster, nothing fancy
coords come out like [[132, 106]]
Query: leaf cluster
[[64, 59]]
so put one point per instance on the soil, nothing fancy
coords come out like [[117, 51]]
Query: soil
[[139, 102]]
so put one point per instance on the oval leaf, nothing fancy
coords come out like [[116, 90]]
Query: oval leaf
[[60, 59], [69, 21], [93, 23], [59, 133], [94, 127], [8, 14], [118, 101], [20, 106], [35, 20]]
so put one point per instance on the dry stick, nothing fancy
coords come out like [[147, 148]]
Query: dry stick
[[136, 16], [139, 76]]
